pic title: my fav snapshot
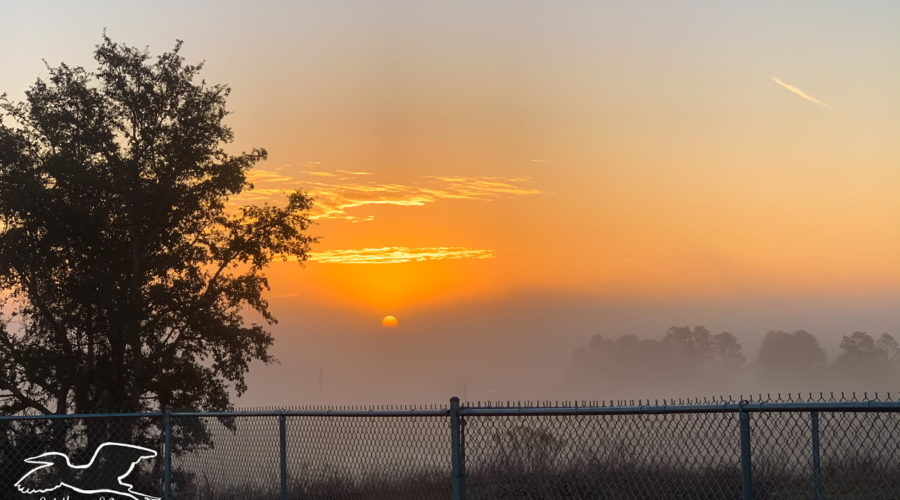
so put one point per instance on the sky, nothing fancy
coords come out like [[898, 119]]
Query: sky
[[508, 178]]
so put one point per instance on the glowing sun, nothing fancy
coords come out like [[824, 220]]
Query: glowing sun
[[389, 322]]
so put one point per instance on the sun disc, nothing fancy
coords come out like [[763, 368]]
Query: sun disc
[[389, 322]]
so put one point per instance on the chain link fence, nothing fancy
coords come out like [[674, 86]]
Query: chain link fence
[[34, 450], [839, 446], [318, 454]]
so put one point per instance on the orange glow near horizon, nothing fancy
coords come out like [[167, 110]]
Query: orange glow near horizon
[[788, 239], [397, 255], [466, 151]]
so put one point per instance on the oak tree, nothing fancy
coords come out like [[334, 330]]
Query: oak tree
[[127, 271]]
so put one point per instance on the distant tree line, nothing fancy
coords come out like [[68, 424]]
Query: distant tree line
[[691, 360]]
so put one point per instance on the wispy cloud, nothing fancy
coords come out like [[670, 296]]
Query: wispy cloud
[[343, 195], [353, 172], [801, 93], [397, 255]]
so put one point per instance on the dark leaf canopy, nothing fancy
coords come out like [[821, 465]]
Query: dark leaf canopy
[[128, 275]]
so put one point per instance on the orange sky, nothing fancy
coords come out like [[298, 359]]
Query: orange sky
[[664, 160], [609, 149], [644, 150]]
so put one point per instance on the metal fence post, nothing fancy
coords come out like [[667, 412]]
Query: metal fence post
[[818, 489], [746, 455], [167, 453], [282, 454], [457, 451]]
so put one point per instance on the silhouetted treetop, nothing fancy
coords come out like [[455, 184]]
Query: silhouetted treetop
[[700, 345], [684, 356], [128, 276], [790, 351], [862, 355], [694, 360]]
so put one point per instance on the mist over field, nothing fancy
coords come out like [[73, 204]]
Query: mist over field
[[355, 205], [524, 348], [512, 179]]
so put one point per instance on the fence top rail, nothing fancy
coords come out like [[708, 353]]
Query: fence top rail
[[241, 413], [793, 397], [759, 407], [412, 412], [81, 415], [498, 410]]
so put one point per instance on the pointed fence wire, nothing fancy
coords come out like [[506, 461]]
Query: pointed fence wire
[[825, 445]]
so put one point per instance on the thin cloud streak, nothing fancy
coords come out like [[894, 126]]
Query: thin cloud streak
[[397, 255], [336, 196], [353, 172], [801, 93]]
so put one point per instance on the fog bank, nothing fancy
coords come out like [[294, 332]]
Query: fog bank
[[522, 347]]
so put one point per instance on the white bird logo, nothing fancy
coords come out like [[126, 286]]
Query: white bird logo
[[104, 473]]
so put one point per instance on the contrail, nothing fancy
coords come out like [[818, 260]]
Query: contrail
[[801, 93]]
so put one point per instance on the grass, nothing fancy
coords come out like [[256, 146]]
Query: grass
[[589, 481]]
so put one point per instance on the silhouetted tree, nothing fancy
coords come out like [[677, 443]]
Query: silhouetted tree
[[791, 361], [867, 363], [685, 358], [887, 343], [125, 274], [701, 347], [860, 349]]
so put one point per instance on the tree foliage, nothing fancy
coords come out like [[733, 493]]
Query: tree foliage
[[790, 359], [683, 357], [863, 356], [127, 273], [693, 360]]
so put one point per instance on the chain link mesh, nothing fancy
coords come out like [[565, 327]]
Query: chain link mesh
[[860, 454], [233, 457], [79, 439], [328, 456], [589, 450], [602, 456]]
